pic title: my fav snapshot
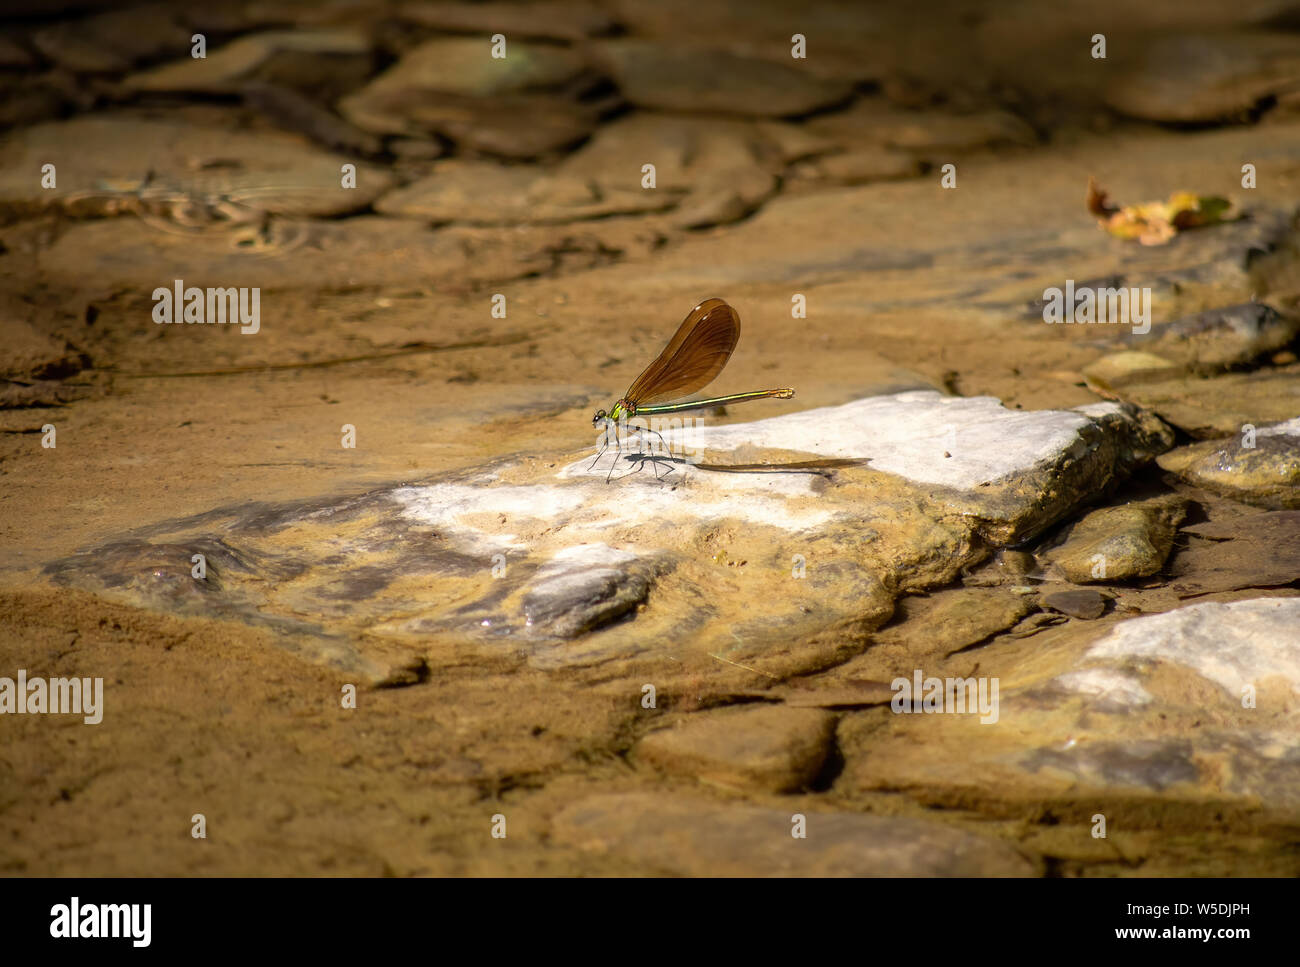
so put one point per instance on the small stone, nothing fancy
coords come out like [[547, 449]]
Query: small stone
[[1119, 543], [582, 588], [1087, 605], [768, 748], [1117, 370]]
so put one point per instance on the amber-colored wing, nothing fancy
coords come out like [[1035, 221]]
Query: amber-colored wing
[[693, 357]]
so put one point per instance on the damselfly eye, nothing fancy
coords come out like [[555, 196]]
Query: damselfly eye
[[600, 415]]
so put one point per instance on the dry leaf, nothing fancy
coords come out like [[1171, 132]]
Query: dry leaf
[[1156, 222]]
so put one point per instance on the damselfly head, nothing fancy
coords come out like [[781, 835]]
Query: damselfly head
[[599, 418]]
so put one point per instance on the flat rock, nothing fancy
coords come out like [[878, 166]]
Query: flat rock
[[1188, 78], [767, 748], [1266, 474], [1208, 407], [1151, 709], [1119, 543], [1234, 644], [707, 172], [1218, 338], [318, 61], [698, 837], [522, 105], [569, 570], [675, 78], [175, 172]]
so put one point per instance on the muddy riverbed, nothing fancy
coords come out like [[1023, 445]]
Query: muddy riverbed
[[360, 601]]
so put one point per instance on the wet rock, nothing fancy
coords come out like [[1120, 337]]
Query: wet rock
[[1087, 605], [674, 78], [174, 172], [556, 19], [1252, 551], [1266, 474], [114, 41], [677, 835], [1119, 543], [324, 63], [768, 748], [1187, 78], [1219, 338]]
